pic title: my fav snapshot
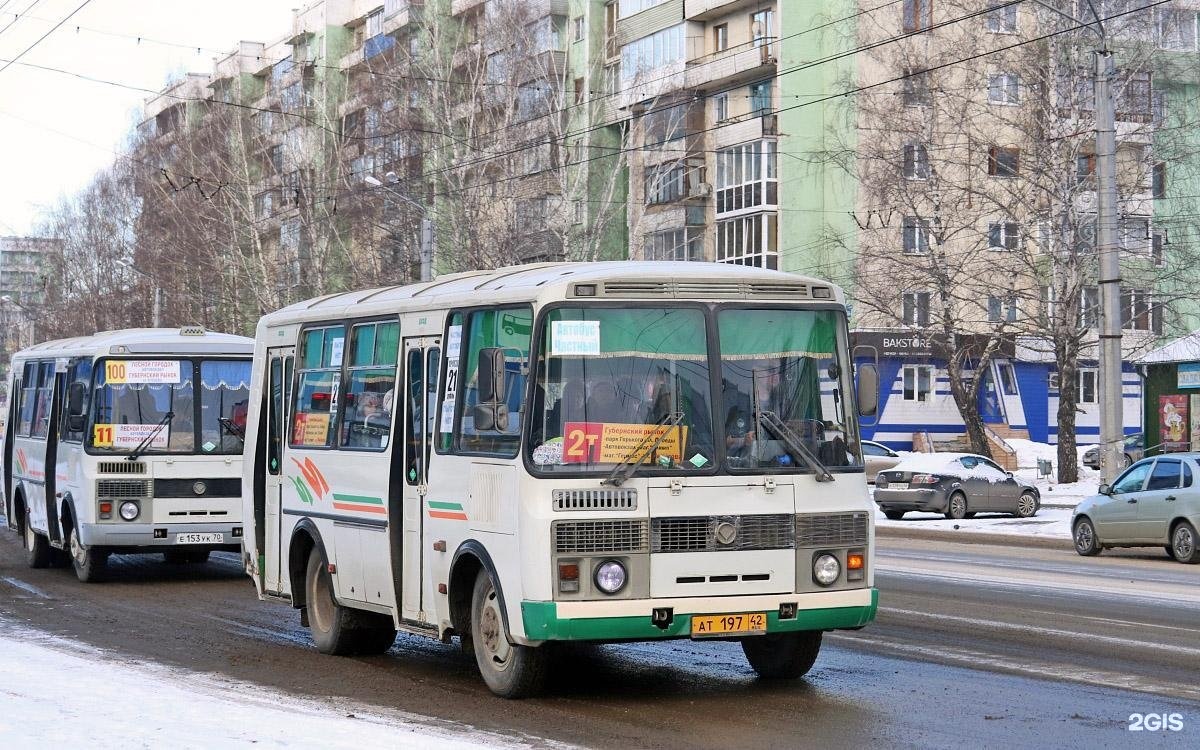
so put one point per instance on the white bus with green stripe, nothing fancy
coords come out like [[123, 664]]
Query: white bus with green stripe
[[594, 452]]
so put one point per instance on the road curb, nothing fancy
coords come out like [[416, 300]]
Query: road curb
[[971, 537]]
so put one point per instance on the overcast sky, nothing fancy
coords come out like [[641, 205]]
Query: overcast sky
[[56, 131]]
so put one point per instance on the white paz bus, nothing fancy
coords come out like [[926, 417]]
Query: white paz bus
[[564, 452], [127, 442]]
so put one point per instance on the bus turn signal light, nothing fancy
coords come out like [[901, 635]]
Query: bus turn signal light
[[568, 577], [854, 561]]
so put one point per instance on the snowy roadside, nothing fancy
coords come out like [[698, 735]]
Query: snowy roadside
[[60, 693]]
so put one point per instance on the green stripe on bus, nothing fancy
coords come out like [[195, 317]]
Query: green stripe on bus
[[436, 505], [543, 624], [358, 499]]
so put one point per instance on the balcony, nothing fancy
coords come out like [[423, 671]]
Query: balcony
[[458, 7], [705, 10], [467, 56], [377, 45], [743, 63]]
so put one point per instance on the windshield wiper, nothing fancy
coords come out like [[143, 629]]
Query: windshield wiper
[[233, 429], [137, 452], [629, 464], [771, 421]]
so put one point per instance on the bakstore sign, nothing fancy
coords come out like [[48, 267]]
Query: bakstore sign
[[907, 343]]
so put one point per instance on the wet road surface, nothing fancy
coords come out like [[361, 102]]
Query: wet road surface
[[975, 645]]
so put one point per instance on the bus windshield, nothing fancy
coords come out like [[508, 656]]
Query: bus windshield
[[132, 398], [619, 386], [782, 385]]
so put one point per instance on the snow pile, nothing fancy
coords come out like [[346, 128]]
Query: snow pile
[[1052, 523], [56, 692], [926, 463]]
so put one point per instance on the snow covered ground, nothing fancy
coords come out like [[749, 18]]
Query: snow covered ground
[[1052, 521], [59, 693]]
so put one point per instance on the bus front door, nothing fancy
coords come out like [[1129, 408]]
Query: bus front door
[[280, 362], [422, 357]]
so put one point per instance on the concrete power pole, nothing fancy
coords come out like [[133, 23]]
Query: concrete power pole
[[1111, 411]]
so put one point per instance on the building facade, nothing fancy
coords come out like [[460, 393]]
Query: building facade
[[25, 266]]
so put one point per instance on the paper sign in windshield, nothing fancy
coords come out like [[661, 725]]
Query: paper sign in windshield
[[134, 371], [574, 338], [612, 442], [311, 429], [128, 436]]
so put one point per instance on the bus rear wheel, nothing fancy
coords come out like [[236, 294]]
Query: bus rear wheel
[[509, 669], [90, 563], [37, 548], [782, 656], [339, 630]]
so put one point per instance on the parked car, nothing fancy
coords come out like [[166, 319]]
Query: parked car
[[878, 457], [957, 484], [1154, 503], [1133, 448]]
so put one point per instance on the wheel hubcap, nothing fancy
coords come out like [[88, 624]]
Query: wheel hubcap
[[29, 541], [1184, 544], [78, 551], [1026, 506], [957, 506], [491, 629], [322, 604], [1083, 536]]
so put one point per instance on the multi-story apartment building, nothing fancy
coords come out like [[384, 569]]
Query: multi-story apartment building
[[25, 263]]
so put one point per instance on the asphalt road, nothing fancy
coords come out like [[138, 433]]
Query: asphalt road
[[975, 645]]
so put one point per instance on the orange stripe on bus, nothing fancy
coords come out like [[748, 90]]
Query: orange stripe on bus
[[444, 514], [362, 508]]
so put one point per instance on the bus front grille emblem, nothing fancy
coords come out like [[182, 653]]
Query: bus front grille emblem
[[725, 533]]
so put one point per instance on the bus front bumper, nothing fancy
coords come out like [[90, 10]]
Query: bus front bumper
[[130, 536], [633, 620]]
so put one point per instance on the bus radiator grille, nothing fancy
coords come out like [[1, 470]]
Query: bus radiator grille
[[599, 537], [607, 498], [123, 489], [121, 467], [831, 530], [719, 533]]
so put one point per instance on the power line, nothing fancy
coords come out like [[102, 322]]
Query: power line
[[43, 36]]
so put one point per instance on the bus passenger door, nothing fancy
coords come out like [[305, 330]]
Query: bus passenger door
[[280, 362], [421, 359]]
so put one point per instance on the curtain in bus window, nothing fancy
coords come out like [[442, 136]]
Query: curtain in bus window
[[509, 329], [370, 393], [125, 412], [224, 404]]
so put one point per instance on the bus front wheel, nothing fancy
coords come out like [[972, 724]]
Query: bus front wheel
[[782, 656], [339, 630], [89, 562], [509, 669]]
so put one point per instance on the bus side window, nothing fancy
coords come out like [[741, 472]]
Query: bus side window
[[28, 398], [507, 329], [433, 361], [45, 389], [414, 390], [367, 413], [314, 415]]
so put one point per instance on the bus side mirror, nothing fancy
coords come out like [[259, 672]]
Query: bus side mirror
[[491, 417], [76, 410], [868, 389]]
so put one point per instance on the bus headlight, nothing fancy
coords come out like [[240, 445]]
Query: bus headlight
[[129, 510], [610, 576], [826, 569]]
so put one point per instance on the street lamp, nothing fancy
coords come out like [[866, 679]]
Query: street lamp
[[426, 249], [1111, 421], [156, 315]]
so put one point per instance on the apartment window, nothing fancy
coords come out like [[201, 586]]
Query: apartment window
[[577, 28], [1004, 235], [547, 34], [265, 122], [579, 90], [918, 15], [1156, 250], [916, 88], [761, 25], [684, 243], [721, 107], [1086, 383], [1004, 161], [918, 383], [1002, 309], [749, 240], [667, 183], [275, 157], [629, 7], [664, 124], [1004, 88], [1135, 234], [1134, 101], [1008, 378], [917, 233], [1002, 19], [292, 97], [610, 29], [746, 177], [916, 161], [651, 53], [760, 98], [1085, 167], [264, 204], [1177, 29], [1089, 307], [374, 24], [915, 309], [721, 37], [1158, 180], [1139, 312]]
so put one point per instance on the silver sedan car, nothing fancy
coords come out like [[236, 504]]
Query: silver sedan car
[[1154, 503], [957, 484]]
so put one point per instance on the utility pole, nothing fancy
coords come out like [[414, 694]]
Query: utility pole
[[426, 249], [1111, 398]]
